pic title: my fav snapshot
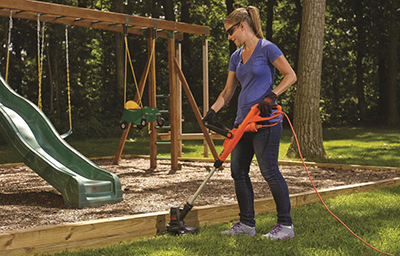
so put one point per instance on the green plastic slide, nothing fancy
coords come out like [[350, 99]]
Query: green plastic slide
[[27, 129]]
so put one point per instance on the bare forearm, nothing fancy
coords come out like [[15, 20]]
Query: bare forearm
[[222, 99], [286, 82], [289, 76]]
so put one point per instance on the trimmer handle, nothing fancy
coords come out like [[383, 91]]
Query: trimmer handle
[[218, 128]]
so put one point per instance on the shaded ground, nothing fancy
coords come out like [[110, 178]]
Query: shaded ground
[[27, 201]]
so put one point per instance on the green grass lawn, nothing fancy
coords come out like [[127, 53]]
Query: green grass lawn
[[364, 146], [373, 215]]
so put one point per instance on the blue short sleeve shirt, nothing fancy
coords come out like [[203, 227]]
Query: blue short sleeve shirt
[[256, 76]]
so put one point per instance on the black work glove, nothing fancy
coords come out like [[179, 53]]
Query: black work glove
[[210, 117], [266, 105]]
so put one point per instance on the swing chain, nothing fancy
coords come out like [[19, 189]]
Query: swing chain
[[9, 45], [40, 49], [68, 77]]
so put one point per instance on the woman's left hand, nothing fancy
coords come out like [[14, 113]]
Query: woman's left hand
[[266, 105]]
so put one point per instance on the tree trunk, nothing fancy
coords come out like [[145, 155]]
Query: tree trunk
[[169, 10], [299, 10], [55, 61], [392, 113], [119, 53], [50, 80], [154, 11], [382, 72], [362, 105], [307, 119], [229, 9], [232, 106], [270, 19]]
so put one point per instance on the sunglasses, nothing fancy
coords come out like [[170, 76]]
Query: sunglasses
[[231, 30]]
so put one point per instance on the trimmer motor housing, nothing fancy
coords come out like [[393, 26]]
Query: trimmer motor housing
[[176, 224]]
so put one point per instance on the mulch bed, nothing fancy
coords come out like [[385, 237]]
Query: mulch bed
[[27, 201]]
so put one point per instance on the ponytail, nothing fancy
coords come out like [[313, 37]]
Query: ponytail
[[251, 15], [255, 23]]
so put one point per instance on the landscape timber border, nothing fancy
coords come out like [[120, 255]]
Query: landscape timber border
[[112, 231], [210, 160]]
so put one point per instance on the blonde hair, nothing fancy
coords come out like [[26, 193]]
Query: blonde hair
[[251, 15]]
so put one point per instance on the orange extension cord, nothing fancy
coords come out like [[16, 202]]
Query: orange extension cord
[[319, 196]]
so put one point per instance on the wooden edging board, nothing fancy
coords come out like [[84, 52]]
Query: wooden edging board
[[280, 162], [103, 232]]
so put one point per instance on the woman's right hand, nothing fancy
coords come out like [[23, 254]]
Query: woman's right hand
[[210, 117]]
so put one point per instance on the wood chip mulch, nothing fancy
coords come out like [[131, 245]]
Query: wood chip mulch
[[27, 201]]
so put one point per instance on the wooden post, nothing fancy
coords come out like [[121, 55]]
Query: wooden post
[[152, 96], [121, 144], [173, 102], [195, 109], [206, 100], [179, 91]]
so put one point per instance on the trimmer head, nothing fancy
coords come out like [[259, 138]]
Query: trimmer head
[[177, 225]]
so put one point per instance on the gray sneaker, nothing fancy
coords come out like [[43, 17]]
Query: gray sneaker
[[240, 229], [280, 232]]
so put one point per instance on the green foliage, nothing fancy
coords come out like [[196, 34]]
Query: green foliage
[[96, 94]]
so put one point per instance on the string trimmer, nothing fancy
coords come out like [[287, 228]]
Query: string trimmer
[[177, 225]]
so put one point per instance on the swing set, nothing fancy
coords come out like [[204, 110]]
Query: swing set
[[130, 24]]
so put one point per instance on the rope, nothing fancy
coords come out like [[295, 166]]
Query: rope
[[40, 49], [126, 68], [9, 46], [68, 80], [127, 54], [133, 71]]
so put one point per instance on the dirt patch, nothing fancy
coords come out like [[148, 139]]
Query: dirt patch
[[27, 201]]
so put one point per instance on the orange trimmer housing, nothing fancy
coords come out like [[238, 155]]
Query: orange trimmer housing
[[249, 124]]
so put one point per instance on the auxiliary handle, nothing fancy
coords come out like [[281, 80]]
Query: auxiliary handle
[[220, 129]]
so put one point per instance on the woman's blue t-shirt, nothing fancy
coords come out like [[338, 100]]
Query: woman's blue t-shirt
[[256, 76]]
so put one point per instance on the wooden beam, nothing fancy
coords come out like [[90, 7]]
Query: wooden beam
[[152, 97], [195, 109], [121, 144], [57, 19], [173, 104], [71, 15], [100, 233]]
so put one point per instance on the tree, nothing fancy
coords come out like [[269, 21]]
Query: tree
[[392, 113], [307, 119], [229, 9], [270, 19], [362, 105], [119, 51], [169, 9], [299, 11]]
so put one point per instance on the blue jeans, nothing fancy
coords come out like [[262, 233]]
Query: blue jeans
[[265, 145]]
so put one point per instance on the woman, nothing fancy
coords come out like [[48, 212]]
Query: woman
[[254, 65]]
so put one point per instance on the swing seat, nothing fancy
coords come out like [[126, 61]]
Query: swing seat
[[140, 116]]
